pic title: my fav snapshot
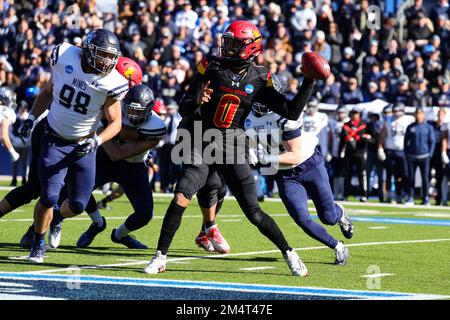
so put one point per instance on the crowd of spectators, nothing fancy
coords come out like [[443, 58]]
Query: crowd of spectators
[[169, 37]]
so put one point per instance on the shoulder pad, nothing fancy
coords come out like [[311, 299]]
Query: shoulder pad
[[290, 125], [153, 128], [116, 85], [58, 51]]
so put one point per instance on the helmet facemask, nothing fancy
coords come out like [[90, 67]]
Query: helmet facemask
[[260, 109], [135, 113], [102, 60], [232, 48]]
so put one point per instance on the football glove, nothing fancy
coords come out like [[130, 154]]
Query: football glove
[[14, 155], [252, 157], [265, 158], [445, 158], [381, 155], [88, 146], [26, 126]]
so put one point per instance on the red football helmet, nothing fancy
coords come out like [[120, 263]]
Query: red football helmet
[[241, 40], [130, 70], [159, 107]]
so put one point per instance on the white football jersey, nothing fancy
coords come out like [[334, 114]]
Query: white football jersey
[[154, 128], [78, 97], [8, 113], [396, 130], [314, 124], [273, 129], [336, 129]]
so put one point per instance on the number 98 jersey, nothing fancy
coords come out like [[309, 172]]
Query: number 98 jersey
[[78, 97]]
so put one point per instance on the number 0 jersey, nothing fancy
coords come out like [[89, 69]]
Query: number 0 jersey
[[78, 97]]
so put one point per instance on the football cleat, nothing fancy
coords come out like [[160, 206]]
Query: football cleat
[[202, 241], [409, 202], [102, 205], [342, 255], [296, 265], [37, 253], [128, 241], [157, 264], [217, 240], [87, 237], [345, 223], [54, 235], [27, 240]]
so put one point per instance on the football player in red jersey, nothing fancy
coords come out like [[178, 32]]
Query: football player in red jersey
[[223, 91]]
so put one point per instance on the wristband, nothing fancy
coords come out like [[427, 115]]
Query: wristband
[[99, 140]]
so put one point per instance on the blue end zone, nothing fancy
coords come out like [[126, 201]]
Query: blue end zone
[[76, 287]]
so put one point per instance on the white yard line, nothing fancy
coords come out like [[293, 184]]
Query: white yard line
[[378, 228], [256, 268], [377, 275], [142, 262]]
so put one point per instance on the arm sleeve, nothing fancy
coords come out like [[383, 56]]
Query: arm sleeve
[[290, 109]]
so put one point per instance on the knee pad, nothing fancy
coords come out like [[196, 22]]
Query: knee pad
[[49, 201], [222, 192], [255, 215], [207, 198], [76, 206], [328, 215]]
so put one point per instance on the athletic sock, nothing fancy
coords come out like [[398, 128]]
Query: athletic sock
[[203, 229], [339, 246], [339, 212], [171, 223], [121, 231], [209, 224], [210, 227], [39, 239], [97, 218], [57, 217]]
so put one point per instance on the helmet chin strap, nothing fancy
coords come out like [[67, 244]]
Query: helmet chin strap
[[236, 63]]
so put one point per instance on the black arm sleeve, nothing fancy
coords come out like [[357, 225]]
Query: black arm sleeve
[[290, 109], [188, 105]]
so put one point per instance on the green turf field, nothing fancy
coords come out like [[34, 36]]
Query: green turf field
[[411, 258]]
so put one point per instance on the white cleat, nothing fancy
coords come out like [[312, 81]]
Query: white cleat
[[296, 265], [157, 264], [342, 254], [54, 235]]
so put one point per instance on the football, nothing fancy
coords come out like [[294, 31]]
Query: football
[[315, 66]]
